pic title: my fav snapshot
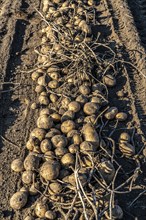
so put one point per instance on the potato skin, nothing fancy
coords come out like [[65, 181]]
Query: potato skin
[[50, 170], [18, 200], [90, 134]]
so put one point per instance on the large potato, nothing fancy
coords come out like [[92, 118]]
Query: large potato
[[18, 200], [50, 170], [90, 134]]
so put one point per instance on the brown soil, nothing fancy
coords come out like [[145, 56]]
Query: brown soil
[[20, 24]]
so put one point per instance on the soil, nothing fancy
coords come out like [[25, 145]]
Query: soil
[[20, 25]]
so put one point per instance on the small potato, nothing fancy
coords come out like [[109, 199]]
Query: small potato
[[111, 113], [68, 160], [46, 145], [50, 215], [55, 187], [50, 170], [39, 133], [90, 108], [45, 122], [74, 106], [60, 151], [82, 177], [90, 119], [98, 87], [56, 117], [49, 155], [109, 80], [39, 89], [82, 99], [53, 84], [54, 75], [33, 143], [53, 68], [124, 137], [43, 100], [73, 148], [42, 80], [87, 146], [67, 126], [84, 90], [18, 200], [45, 111], [68, 115], [107, 171], [53, 98], [53, 132], [31, 162], [17, 165], [127, 149], [65, 102], [59, 141], [29, 218], [96, 99], [40, 209], [90, 134], [77, 139], [27, 176], [36, 75], [72, 133], [34, 189], [121, 116], [34, 106]]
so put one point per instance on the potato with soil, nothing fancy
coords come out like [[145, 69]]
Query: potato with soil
[[74, 106], [17, 165], [50, 170], [109, 80], [111, 113], [124, 137], [46, 145], [55, 188], [121, 116], [45, 122], [90, 108], [127, 149], [82, 99], [90, 134], [84, 90], [18, 200], [107, 171], [52, 132], [40, 209], [67, 126], [59, 141], [68, 115], [51, 215], [31, 162], [89, 147], [27, 176], [38, 133], [68, 160], [60, 151]]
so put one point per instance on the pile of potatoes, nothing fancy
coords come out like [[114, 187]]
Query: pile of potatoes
[[67, 141]]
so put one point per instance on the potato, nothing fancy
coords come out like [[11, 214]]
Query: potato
[[82, 177], [60, 151], [77, 139], [39, 89], [87, 146], [67, 126], [65, 102], [74, 106], [34, 188], [109, 80], [53, 132], [107, 171], [56, 117], [53, 84], [17, 165], [49, 155], [90, 108], [71, 133], [43, 100], [117, 213], [54, 75], [55, 187], [53, 98], [18, 200], [29, 218], [96, 99], [42, 80], [82, 99], [31, 162], [59, 141], [73, 148], [36, 75], [111, 113], [68, 115], [68, 160], [98, 87], [34, 106], [45, 111], [50, 215], [45, 122], [27, 176], [85, 27], [127, 149], [84, 89], [33, 143], [50, 170], [121, 116], [90, 119], [124, 137], [38, 133], [46, 145], [90, 134], [40, 209], [53, 68]]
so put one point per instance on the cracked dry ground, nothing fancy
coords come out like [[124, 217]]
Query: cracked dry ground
[[119, 25]]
